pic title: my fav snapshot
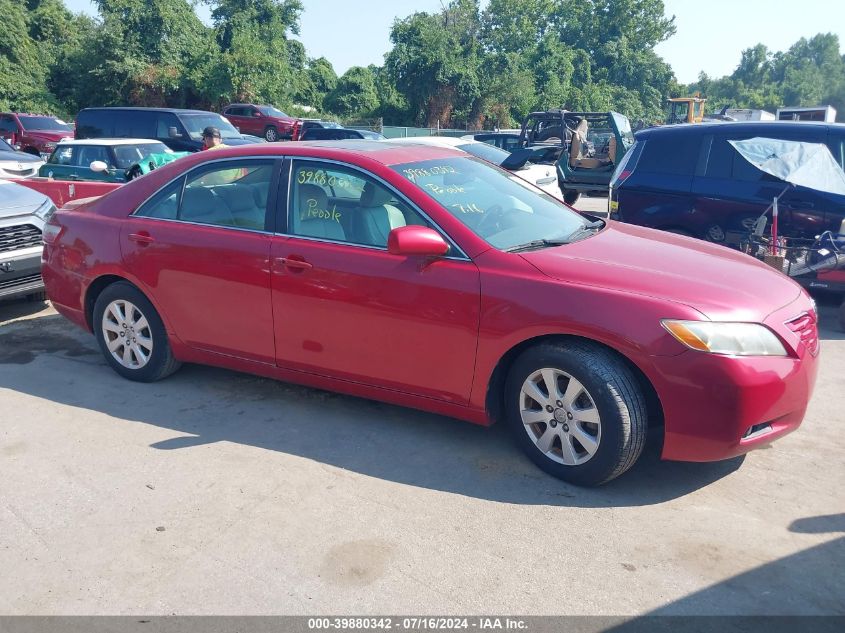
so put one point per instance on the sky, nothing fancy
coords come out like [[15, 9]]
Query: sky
[[710, 35]]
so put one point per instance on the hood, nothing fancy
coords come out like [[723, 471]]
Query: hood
[[19, 157], [721, 283], [17, 200]]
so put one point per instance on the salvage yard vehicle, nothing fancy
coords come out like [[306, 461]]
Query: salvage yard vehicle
[[691, 180], [338, 134], [23, 213], [109, 160], [586, 146], [541, 176], [426, 277], [309, 124], [685, 109], [35, 134], [180, 130], [16, 164], [265, 121]]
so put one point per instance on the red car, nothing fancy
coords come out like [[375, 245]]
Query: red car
[[262, 120], [425, 277], [35, 134]]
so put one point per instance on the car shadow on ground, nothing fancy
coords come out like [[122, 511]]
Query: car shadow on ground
[[49, 358], [755, 599]]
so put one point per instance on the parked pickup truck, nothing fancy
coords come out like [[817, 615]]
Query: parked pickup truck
[[23, 213], [35, 134]]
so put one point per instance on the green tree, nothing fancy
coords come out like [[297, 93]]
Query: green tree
[[355, 93]]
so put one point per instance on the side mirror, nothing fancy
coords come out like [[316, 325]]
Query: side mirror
[[173, 132], [517, 159], [99, 166], [416, 240]]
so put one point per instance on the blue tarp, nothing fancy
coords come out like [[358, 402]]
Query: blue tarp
[[803, 164]]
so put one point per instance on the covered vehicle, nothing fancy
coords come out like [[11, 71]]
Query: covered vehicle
[[23, 213], [16, 164], [586, 147], [427, 277], [108, 160]]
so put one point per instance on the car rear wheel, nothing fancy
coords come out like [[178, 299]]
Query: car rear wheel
[[131, 335], [570, 197], [577, 411], [271, 135]]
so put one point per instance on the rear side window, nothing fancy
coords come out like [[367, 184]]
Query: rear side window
[[670, 154], [95, 124], [725, 162]]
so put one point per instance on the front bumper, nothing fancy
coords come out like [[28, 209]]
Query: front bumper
[[717, 407], [20, 273]]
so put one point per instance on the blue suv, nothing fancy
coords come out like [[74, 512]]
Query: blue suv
[[688, 179]]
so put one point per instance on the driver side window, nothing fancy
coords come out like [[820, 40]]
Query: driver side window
[[339, 204]]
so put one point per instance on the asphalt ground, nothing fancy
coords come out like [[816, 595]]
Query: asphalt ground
[[214, 492]]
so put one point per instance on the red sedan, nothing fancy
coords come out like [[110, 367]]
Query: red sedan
[[428, 278]]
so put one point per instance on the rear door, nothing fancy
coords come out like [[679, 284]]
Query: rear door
[[201, 248]]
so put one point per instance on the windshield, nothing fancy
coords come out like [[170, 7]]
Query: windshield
[[624, 127], [331, 124], [497, 206], [127, 155], [44, 123], [372, 135], [271, 111], [196, 123], [490, 153]]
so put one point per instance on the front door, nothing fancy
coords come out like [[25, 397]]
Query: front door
[[345, 307], [201, 248]]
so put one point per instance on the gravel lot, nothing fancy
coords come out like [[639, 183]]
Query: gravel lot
[[214, 492]]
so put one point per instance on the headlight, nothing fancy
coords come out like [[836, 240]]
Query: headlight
[[737, 339], [45, 211]]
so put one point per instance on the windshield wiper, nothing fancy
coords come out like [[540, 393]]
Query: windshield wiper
[[536, 244], [588, 229]]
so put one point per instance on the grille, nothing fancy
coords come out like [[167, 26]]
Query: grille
[[806, 328], [20, 281], [13, 238]]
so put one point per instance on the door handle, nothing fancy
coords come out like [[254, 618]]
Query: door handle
[[294, 263], [142, 239]]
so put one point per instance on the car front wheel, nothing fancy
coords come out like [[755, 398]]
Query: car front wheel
[[271, 135], [131, 335], [577, 411]]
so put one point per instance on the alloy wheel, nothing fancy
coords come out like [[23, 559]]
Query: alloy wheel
[[127, 334], [560, 416]]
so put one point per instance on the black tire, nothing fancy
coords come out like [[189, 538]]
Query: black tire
[[271, 134], [570, 197], [161, 362], [615, 394]]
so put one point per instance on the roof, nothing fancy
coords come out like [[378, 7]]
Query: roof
[[110, 142], [178, 110], [384, 152], [439, 141], [733, 127]]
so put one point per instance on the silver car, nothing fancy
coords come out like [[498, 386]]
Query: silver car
[[14, 164], [23, 213]]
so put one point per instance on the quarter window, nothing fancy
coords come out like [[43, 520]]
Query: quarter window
[[341, 204]]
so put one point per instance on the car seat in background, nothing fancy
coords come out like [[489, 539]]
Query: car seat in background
[[313, 216], [241, 202], [376, 217], [579, 142], [202, 206]]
